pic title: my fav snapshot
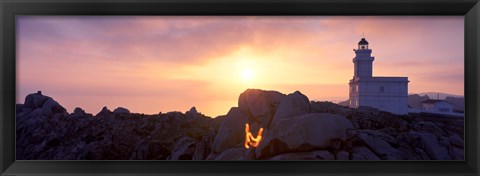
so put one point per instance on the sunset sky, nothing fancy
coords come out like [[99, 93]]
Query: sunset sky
[[161, 64]]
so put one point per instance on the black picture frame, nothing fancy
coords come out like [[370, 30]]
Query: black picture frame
[[470, 9]]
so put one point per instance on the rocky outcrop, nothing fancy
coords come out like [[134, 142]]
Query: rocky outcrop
[[231, 154], [344, 103], [183, 150], [294, 128], [363, 153], [79, 111], [202, 147], [260, 105], [329, 107], [192, 113], [121, 110], [232, 131], [342, 155], [433, 148], [35, 100], [304, 133], [104, 112], [292, 105], [46, 131], [381, 144], [299, 128]]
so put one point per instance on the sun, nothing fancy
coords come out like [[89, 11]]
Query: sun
[[247, 75]]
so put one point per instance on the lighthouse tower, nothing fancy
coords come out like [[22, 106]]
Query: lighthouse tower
[[384, 93], [363, 60]]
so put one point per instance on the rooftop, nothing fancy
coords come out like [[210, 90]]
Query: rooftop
[[363, 42]]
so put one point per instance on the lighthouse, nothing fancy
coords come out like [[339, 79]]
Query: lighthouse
[[384, 93], [363, 60]]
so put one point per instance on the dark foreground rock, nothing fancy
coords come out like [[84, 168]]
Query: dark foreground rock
[[293, 129], [303, 130], [45, 131]]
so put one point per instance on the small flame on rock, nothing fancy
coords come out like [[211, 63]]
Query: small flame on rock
[[250, 140]]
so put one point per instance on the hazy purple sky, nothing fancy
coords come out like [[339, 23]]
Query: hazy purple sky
[[153, 64]]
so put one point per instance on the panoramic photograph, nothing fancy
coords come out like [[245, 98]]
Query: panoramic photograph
[[240, 88]]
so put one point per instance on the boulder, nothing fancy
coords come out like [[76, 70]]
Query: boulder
[[345, 103], [193, 110], [231, 154], [121, 110], [43, 105], [202, 148], [249, 154], [429, 127], [376, 142], [342, 155], [314, 155], [329, 107], [19, 107], [183, 150], [146, 149], [105, 111], [36, 139], [410, 139], [35, 100], [51, 107], [192, 113], [303, 133], [373, 119], [421, 154], [433, 148], [292, 105], [363, 153], [79, 111], [232, 130], [456, 153], [260, 105], [455, 140]]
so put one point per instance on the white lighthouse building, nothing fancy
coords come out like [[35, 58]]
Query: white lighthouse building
[[385, 93]]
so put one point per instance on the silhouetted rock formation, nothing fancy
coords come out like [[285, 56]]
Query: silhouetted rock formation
[[46, 131], [121, 110], [304, 133], [294, 129], [345, 103], [232, 130], [294, 104], [260, 105]]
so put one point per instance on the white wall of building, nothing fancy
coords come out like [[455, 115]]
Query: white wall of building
[[387, 94], [440, 106]]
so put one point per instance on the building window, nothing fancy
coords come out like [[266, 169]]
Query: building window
[[382, 89]]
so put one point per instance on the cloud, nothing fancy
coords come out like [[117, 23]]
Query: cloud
[[116, 57]]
